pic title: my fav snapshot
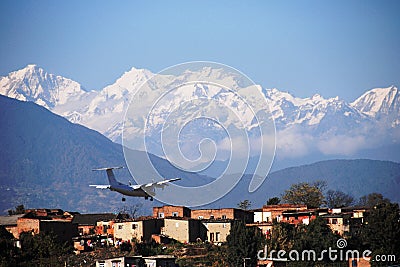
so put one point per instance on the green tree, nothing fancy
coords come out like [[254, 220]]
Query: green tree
[[243, 242], [338, 199], [273, 201], [317, 236], [309, 194], [20, 209], [42, 245], [8, 252], [371, 200], [282, 237], [245, 204], [382, 232]]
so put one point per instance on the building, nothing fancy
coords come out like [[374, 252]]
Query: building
[[185, 230], [139, 230], [160, 261], [171, 211], [47, 221], [105, 228], [87, 222], [138, 261], [10, 223], [270, 213], [217, 230], [223, 214], [298, 217]]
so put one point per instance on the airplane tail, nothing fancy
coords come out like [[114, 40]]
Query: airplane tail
[[110, 174]]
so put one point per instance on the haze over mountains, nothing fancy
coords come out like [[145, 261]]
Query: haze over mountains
[[307, 129], [46, 161]]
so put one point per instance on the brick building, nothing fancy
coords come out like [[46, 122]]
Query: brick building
[[223, 214], [171, 211]]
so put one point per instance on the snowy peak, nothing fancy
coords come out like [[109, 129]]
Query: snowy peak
[[379, 102], [34, 84], [290, 110]]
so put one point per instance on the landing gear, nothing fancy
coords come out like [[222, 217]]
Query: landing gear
[[147, 197], [151, 199], [123, 199]]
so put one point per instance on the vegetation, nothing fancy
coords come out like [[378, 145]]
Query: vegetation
[[273, 201], [371, 200], [20, 209], [382, 233], [244, 205], [310, 194], [243, 243], [338, 199]]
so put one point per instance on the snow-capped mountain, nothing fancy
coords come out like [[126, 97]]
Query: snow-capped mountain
[[383, 104], [34, 84], [303, 125]]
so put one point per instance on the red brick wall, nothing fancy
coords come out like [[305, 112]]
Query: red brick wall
[[168, 210], [27, 225]]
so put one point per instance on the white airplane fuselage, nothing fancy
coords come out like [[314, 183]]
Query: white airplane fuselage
[[129, 191], [132, 190]]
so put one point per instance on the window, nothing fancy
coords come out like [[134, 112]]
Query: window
[[217, 236], [212, 237], [175, 214], [201, 217], [134, 226], [224, 217], [334, 221], [161, 215], [212, 217], [224, 225], [120, 227], [102, 264]]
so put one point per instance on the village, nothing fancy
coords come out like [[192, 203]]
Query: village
[[171, 224]]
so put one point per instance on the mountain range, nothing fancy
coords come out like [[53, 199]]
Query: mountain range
[[307, 129], [46, 161]]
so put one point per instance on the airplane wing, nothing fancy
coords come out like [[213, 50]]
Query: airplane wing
[[160, 184], [100, 186]]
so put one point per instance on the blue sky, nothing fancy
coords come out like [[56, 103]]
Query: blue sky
[[305, 47]]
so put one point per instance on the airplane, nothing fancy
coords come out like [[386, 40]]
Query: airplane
[[131, 190]]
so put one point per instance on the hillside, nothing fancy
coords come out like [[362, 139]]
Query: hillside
[[356, 177], [46, 161]]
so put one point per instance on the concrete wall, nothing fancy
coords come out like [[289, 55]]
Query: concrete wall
[[217, 231], [184, 230], [139, 230]]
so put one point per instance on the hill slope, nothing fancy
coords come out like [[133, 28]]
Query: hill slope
[[46, 161], [356, 177]]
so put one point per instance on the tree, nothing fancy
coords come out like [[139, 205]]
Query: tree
[[273, 201], [338, 199], [42, 245], [309, 194], [282, 236], [382, 232], [243, 242], [316, 236], [371, 200], [20, 209], [245, 204]]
